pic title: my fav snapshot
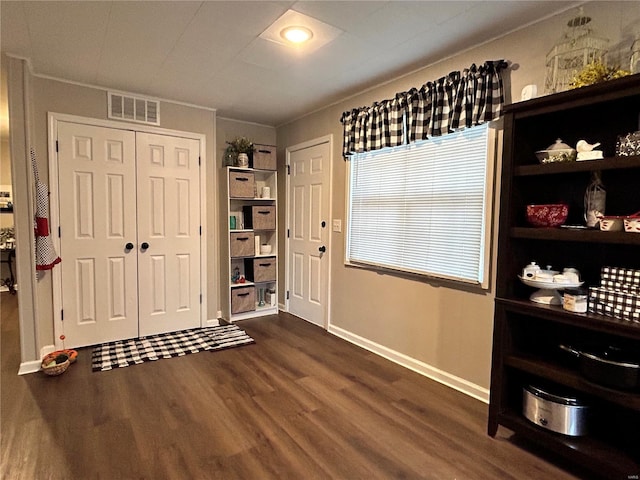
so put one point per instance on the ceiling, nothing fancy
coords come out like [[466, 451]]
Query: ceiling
[[210, 53]]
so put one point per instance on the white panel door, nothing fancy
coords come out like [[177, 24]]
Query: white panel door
[[96, 184], [308, 235], [168, 233]]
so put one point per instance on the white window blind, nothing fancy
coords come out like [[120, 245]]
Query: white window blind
[[422, 208]]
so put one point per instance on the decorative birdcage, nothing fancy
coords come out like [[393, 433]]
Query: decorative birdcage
[[578, 47]]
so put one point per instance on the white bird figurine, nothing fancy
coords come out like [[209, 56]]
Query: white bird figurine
[[583, 146]]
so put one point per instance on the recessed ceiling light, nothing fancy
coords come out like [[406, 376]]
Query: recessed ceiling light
[[296, 34], [300, 33]]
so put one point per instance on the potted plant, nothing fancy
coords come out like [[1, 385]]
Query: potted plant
[[237, 152]]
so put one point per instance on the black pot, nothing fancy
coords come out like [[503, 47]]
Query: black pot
[[611, 367]]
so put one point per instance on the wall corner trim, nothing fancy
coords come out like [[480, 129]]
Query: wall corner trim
[[212, 322], [440, 376], [29, 367]]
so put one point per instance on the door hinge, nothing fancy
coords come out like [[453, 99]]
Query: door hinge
[[199, 161], [62, 315], [287, 294], [287, 233], [200, 230], [57, 146], [288, 169], [201, 299], [59, 232]]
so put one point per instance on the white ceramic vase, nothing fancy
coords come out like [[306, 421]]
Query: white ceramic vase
[[243, 160]]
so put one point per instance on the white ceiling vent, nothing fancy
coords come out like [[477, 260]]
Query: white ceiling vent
[[133, 109]]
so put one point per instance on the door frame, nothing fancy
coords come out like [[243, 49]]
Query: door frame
[[326, 321], [54, 219]]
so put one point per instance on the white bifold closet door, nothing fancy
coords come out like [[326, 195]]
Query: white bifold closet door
[[169, 222], [130, 233]]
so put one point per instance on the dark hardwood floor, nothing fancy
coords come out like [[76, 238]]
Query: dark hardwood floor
[[299, 404]]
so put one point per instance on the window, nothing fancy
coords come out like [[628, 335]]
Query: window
[[423, 208]]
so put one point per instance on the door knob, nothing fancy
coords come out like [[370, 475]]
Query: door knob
[[129, 246], [322, 249], [144, 245]]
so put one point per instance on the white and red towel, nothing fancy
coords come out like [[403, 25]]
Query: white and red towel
[[46, 256]]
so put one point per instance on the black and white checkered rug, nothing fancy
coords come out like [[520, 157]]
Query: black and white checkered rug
[[166, 345]]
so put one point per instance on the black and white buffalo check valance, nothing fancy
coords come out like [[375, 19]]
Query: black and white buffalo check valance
[[461, 99]]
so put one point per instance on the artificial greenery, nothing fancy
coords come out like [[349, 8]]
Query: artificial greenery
[[596, 72], [236, 146]]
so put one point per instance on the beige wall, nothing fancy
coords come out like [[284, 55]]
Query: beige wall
[[58, 97], [17, 81], [446, 328], [49, 95]]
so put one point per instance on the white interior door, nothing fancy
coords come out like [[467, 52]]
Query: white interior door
[[96, 171], [169, 228], [309, 232]]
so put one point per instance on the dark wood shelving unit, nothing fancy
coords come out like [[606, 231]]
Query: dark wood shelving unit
[[588, 453], [527, 335], [591, 321], [571, 378], [609, 163], [569, 235]]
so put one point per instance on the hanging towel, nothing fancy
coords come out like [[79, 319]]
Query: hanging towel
[[46, 256]]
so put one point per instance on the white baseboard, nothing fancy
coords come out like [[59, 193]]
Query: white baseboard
[[29, 367], [213, 322], [34, 365], [417, 366]]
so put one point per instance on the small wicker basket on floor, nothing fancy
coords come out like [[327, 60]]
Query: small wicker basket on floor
[[72, 354], [57, 369]]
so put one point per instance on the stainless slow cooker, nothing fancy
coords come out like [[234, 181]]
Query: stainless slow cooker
[[561, 413]]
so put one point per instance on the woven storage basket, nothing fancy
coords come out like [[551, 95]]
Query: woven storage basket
[[57, 369]]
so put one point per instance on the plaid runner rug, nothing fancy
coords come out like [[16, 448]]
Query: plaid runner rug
[[166, 345]]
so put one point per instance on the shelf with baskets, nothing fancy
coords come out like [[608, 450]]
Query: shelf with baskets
[[528, 335], [251, 239]]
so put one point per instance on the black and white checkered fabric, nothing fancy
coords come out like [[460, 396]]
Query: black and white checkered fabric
[[375, 127], [166, 345], [459, 100], [625, 306], [618, 295], [619, 278]]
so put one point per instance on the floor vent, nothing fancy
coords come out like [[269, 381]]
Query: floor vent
[[133, 109]]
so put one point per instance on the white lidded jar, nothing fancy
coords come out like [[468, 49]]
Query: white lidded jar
[[575, 300], [530, 270]]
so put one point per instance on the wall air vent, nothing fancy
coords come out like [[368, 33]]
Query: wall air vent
[[133, 108]]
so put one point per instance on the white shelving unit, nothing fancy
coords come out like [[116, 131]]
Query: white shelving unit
[[251, 281]]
